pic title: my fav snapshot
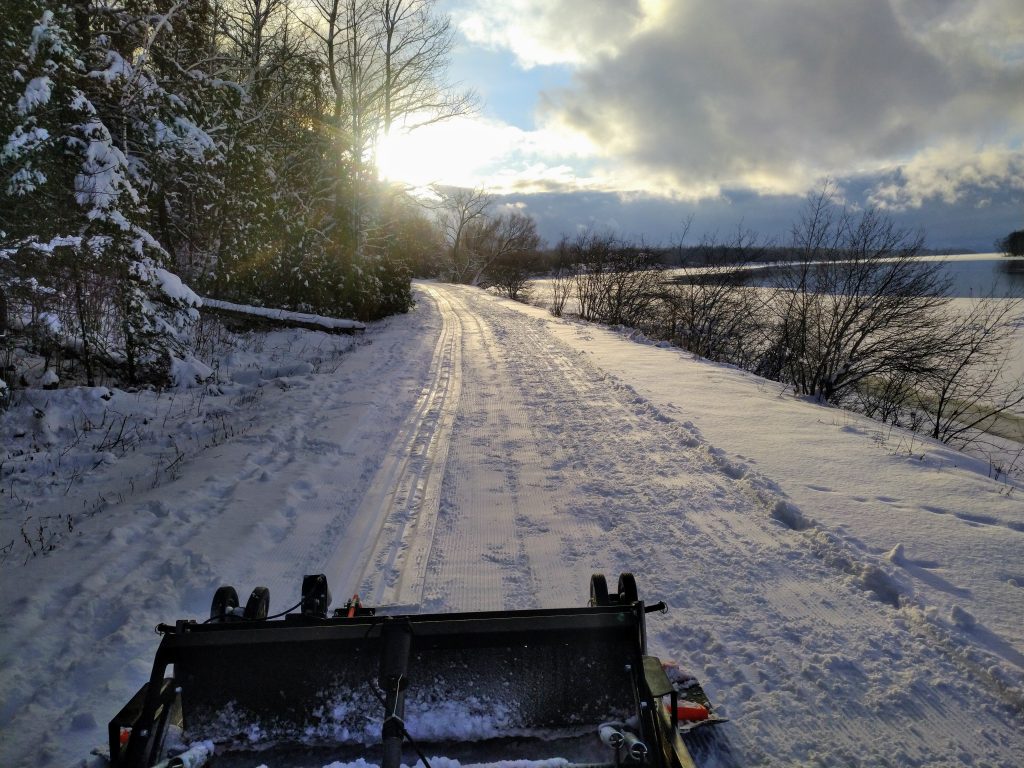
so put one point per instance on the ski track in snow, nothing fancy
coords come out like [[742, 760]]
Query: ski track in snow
[[408, 484], [463, 458]]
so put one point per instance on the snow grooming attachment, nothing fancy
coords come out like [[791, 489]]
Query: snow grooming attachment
[[312, 687]]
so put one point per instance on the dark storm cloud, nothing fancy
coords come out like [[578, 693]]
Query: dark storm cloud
[[972, 223], [733, 109]]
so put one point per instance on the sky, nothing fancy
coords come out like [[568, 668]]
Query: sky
[[634, 115]]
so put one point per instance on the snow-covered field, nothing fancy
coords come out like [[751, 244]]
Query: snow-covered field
[[849, 595]]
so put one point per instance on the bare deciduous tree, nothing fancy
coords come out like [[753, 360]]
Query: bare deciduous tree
[[346, 35], [616, 282], [965, 389], [460, 207], [856, 304], [710, 310], [713, 314], [385, 63], [415, 45], [564, 277], [505, 248]]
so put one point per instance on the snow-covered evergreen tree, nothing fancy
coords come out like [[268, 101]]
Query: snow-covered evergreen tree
[[92, 129], [145, 139]]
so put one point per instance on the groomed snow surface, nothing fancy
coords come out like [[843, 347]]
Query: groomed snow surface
[[848, 594]]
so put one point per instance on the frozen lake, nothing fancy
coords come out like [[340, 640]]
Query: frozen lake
[[975, 275], [984, 274]]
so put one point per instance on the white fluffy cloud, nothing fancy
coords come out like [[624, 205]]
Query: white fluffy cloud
[[544, 32], [947, 174], [474, 151]]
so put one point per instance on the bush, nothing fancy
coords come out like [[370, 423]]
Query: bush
[[616, 282], [712, 313]]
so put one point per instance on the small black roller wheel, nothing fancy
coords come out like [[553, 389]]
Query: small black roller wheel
[[225, 599], [598, 590], [258, 605], [627, 589]]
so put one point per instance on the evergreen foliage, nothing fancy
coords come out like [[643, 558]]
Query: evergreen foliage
[[143, 140], [1013, 243], [90, 130]]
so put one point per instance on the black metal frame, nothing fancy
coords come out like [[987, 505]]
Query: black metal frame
[[291, 652]]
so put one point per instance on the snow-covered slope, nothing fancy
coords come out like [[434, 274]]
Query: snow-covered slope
[[848, 598]]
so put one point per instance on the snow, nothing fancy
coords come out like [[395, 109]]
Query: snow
[[847, 594], [57, 242], [80, 102], [25, 180], [285, 315], [37, 94], [21, 141], [175, 289], [47, 37], [51, 322], [104, 175], [117, 67], [189, 372], [20, 144], [185, 134]]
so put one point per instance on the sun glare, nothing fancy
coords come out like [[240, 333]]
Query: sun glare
[[457, 153], [478, 152]]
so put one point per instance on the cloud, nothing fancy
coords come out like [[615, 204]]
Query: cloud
[[974, 222], [689, 97], [547, 32], [732, 110], [950, 174], [473, 151], [991, 31]]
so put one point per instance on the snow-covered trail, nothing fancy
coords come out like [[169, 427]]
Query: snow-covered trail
[[557, 470], [401, 505], [262, 509], [467, 457]]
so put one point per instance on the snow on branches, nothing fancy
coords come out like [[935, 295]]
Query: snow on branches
[[90, 136]]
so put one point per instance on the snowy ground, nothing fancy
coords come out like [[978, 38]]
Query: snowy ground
[[849, 596]]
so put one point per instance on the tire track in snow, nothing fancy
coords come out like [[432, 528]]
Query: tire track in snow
[[262, 508], [479, 562], [509, 537]]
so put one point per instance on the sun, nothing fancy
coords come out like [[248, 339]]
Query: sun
[[401, 158], [462, 152]]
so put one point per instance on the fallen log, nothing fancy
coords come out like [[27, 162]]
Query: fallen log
[[280, 317]]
